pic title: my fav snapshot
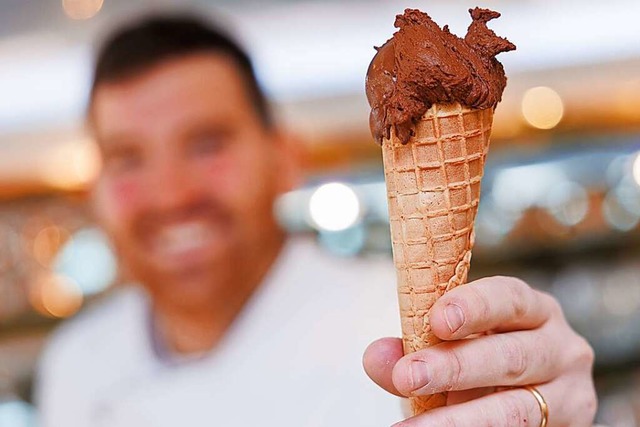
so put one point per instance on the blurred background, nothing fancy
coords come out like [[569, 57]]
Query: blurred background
[[561, 197]]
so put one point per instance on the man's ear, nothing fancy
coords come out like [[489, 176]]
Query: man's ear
[[292, 157]]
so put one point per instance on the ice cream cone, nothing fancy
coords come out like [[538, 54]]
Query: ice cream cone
[[433, 188]]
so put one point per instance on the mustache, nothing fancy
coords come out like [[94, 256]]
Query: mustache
[[202, 209]]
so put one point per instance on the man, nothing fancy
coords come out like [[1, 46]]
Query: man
[[237, 326]]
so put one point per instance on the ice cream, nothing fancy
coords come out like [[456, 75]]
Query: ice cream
[[424, 65], [432, 97]]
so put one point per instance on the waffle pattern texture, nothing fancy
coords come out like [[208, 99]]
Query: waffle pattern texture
[[433, 189]]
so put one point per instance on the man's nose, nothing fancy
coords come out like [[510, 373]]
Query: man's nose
[[171, 184]]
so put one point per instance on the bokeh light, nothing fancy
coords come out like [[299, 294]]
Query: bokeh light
[[628, 196], [542, 107], [87, 259], [617, 215], [47, 243], [518, 188], [55, 296], [347, 242], [568, 202], [334, 207], [81, 9], [16, 413]]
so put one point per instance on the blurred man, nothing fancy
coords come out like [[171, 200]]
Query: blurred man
[[232, 323], [236, 326]]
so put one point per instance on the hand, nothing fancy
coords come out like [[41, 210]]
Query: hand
[[499, 335]]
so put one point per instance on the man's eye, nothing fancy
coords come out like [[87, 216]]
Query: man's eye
[[208, 144], [123, 162]]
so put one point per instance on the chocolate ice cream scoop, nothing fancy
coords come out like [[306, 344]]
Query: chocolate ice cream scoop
[[423, 64]]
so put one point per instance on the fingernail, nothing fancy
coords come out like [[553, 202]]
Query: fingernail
[[454, 317], [419, 374]]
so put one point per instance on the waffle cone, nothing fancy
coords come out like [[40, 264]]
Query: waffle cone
[[433, 188]]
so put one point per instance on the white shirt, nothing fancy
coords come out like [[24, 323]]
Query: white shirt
[[292, 358]]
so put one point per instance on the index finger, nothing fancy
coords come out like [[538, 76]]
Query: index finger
[[497, 304]]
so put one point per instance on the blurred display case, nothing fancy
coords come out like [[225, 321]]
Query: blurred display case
[[564, 220]]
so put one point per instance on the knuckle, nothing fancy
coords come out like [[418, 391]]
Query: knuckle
[[590, 405], [552, 303], [586, 409], [516, 359], [479, 304], [512, 282], [456, 370], [583, 355], [521, 293], [588, 355], [544, 356], [514, 412]]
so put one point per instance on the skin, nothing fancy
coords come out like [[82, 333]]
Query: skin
[[507, 335], [187, 159]]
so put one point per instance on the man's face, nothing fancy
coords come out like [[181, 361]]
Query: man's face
[[189, 175]]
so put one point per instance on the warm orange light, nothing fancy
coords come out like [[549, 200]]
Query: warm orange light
[[81, 9], [72, 166], [627, 99], [55, 296], [542, 107], [504, 127], [47, 243]]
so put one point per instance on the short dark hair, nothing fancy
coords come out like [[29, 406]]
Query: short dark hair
[[141, 45]]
